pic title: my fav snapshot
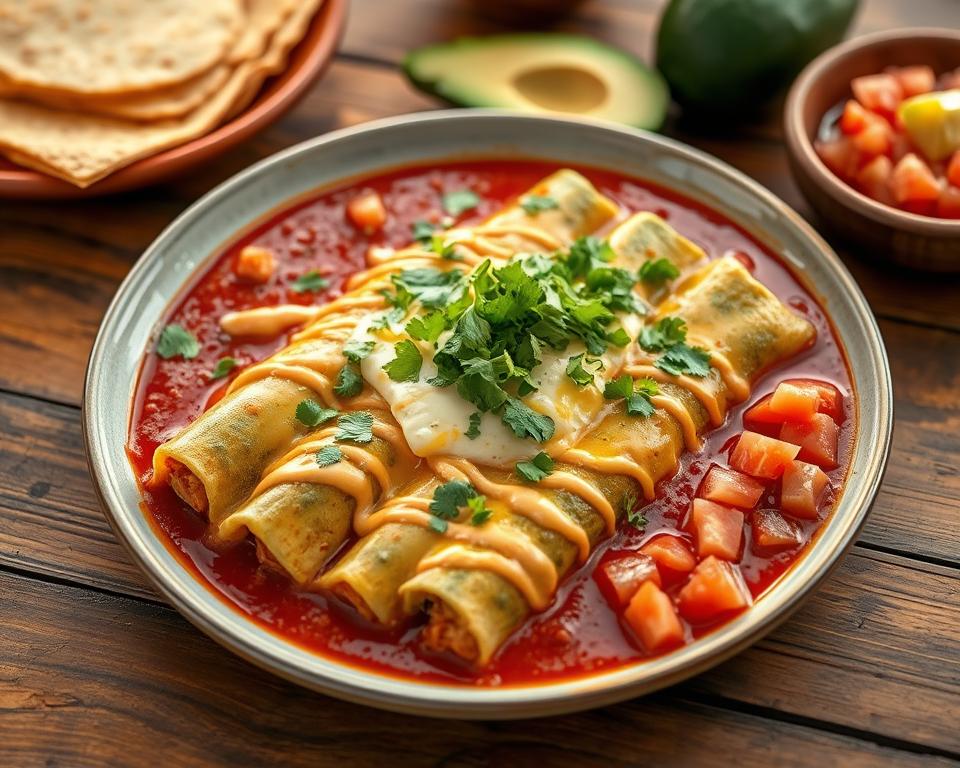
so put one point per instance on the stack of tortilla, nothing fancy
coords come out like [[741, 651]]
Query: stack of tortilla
[[89, 86]]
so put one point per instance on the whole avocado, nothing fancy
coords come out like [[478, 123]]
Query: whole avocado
[[720, 55]]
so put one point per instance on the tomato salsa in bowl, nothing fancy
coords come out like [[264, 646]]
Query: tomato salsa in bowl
[[872, 129], [758, 505]]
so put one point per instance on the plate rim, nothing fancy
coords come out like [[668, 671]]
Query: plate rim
[[244, 637]]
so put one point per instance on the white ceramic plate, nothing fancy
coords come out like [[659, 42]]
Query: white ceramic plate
[[198, 236]]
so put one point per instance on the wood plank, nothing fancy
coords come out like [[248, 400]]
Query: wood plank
[[80, 673], [854, 626]]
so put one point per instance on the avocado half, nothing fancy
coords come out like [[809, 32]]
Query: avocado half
[[542, 72]]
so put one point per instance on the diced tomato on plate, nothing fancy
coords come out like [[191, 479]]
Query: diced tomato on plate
[[771, 532], [727, 486], [802, 490], [762, 456], [817, 440], [795, 401], [653, 618], [715, 587], [718, 529], [619, 579]]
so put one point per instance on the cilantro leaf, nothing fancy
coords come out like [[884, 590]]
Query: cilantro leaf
[[460, 201], [433, 288], [450, 497], [309, 281], [534, 204], [536, 469], [311, 414], [437, 525], [427, 327], [444, 249], [646, 386], [175, 340], [637, 519], [223, 367], [355, 351], [423, 231], [356, 427], [480, 385], [406, 365], [681, 359], [349, 381], [637, 394], [328, 455], [622, 386], [639, 405], [480, 516], [658, 271], [582, 371], [663, 334], [473, 430], [525, 422]]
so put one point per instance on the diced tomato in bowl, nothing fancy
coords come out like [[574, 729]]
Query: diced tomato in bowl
[[762, 456], [367, 213], [818, 440], [771, 532], [715, 588], [718, 529], [802, 489], [671, 554], [620, 578], [653, 618], [761, 416], [879, 93], [727, 486], [912, 181], [914, 80], [948, 204]]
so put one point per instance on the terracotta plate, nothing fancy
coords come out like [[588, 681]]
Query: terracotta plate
[[307, 61]]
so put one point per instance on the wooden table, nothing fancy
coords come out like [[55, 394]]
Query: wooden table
[[95, 668]]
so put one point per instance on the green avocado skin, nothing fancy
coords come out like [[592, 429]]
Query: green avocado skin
[[723, 54]]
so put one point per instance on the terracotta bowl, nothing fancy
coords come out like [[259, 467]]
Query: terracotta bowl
[[921, 242], [278, 95]]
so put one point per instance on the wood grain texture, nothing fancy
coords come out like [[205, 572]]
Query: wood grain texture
[[95, 669], [91, 670]]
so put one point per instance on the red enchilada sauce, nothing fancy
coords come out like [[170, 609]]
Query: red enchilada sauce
[[581, 632]]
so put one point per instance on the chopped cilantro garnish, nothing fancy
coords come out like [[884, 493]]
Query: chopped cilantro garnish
[[681, 359], [479, 513], [406, 365], [534, 204], [460, 201], [658, 271], [175, 340], [423, 231], [328, 455], [349, 381], [223, 367], [637, 394], [355, 351], [637, 519], [386, 319], [433, 288], [536, 469], [663, 334], [309, 281], [480, 516], [356, 427], [525, 422], [444, 249], [582, 370], [473, 430], [437, 525], [311, 414], [427, 327], [450, 497]]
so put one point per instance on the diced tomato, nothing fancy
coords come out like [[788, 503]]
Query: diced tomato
[[619, 579], [255, 264], [794, 401], [760, 417], [817, 440], [802, 490], [762, 456], [953, 169], [719, 529], [880, 93], [715, 587], [654, 619], [914, 80], [772, 532], [874, 179], [875, 139], [671, 553], [854, 117], [839, 155], [727, 486], [367, 213], [913, 181], [948, 206]]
